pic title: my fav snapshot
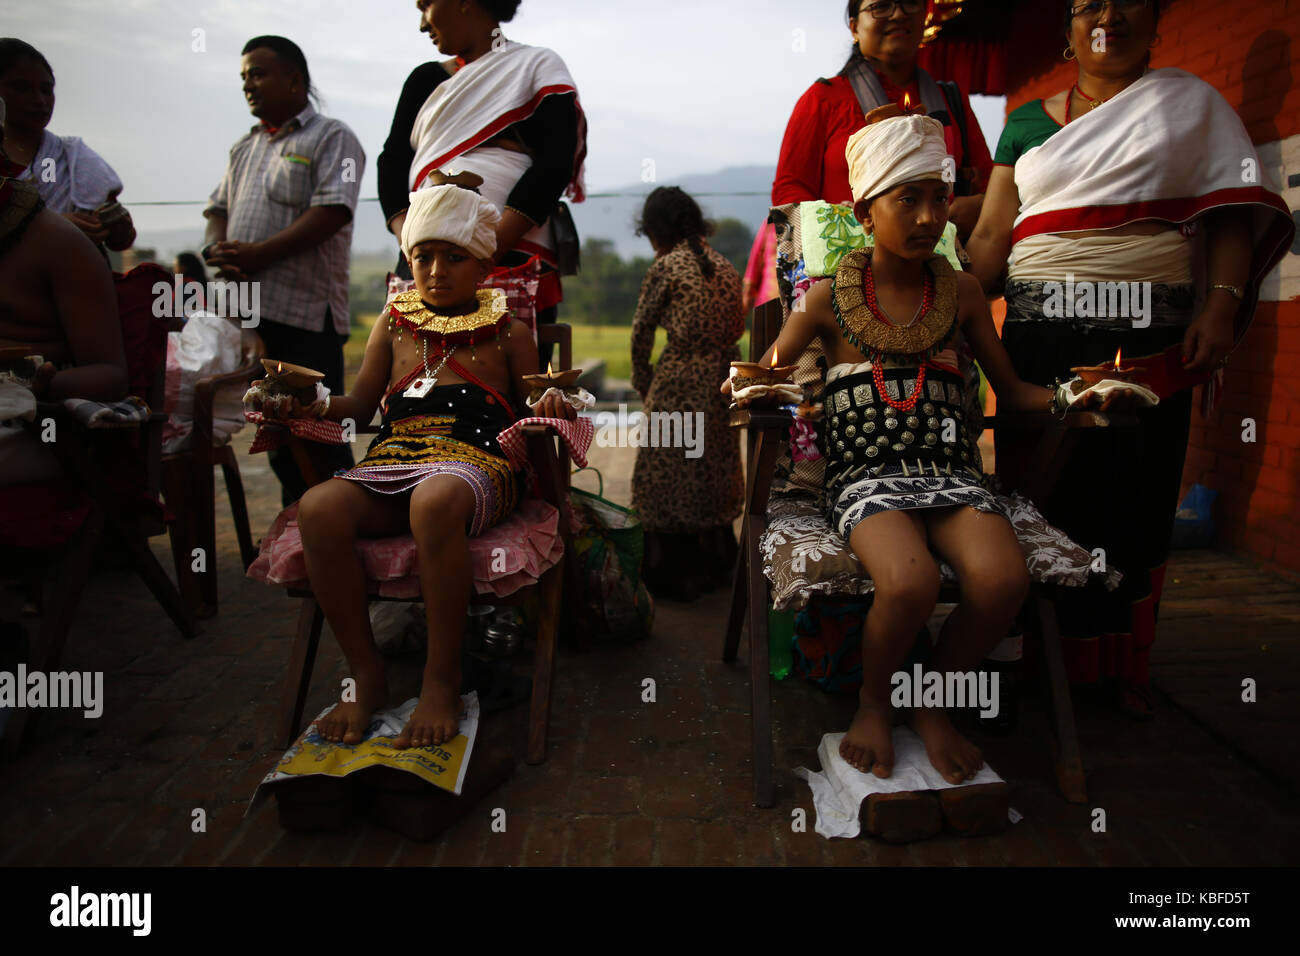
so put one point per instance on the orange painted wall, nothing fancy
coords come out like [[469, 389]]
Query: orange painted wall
[[1249, 53]]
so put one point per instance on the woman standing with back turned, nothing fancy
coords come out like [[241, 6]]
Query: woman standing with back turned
[[687, 496]]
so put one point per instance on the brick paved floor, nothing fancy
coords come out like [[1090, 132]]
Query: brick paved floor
[[187, 725]]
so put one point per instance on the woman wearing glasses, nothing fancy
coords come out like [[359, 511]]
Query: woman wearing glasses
[[881, 69], [1134, 194]]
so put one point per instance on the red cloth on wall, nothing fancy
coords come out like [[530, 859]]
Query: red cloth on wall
[[812, 164], [978, 66]]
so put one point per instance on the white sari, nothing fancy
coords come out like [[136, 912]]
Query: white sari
[[1169, 148], [479, 102]]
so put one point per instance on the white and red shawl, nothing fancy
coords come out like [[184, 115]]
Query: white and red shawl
[[1170, 148], [484, 98]]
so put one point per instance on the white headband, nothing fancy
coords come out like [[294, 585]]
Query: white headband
[[451, 214], [894, 151]]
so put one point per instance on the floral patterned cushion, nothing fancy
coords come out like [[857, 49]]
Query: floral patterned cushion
[[804, 558]]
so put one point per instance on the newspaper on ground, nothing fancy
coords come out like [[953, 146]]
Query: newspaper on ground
[[444, 767]]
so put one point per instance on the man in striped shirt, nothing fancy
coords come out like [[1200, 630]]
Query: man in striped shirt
[[282, 217]]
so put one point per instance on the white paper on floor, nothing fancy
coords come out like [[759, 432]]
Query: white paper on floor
[[839, 790]]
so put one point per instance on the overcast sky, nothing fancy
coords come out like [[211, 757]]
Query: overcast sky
[[695, 85]]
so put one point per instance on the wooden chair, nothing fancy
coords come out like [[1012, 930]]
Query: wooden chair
[[550, 462], [190, 490], [766, 433], [107, 520]]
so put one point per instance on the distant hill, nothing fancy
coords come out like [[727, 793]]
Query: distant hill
[[614, 218], [603, 216]]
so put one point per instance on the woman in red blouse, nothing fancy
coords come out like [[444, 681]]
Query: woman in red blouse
[[881, 69]]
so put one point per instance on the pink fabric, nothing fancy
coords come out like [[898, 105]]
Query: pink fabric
[[271, 435], [577, 435], [512, 555], [760, 273]]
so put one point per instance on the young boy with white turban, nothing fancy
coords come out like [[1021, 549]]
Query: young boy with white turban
[[445, 366], [902, 473]]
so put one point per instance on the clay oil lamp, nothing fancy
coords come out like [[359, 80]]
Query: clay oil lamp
[[564, 380], [1093, 374], [283, 378]]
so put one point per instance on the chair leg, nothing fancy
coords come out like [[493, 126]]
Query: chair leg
[[544, 667], [760, 684], [151, 572], [176, 493], [297, 677], [206, 527], [739, 595], [56, 621], [1070, 777], [238, 504]]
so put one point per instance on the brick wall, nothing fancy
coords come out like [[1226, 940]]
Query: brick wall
[[1251, 54]]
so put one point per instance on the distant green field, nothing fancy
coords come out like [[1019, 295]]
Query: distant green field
[[612, 343]]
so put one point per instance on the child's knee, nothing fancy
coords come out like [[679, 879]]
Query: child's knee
[[916, 590], [320, 513], [440, 509], [1003, 586]]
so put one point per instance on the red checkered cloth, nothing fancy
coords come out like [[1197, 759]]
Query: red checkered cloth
[[274, 434], [577, 435]]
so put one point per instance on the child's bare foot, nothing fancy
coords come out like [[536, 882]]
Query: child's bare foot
[[869, 744], [436, 719], [348, 721], [955, 757]]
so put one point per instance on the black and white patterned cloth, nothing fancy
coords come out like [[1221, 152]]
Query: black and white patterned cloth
[[892, 491]]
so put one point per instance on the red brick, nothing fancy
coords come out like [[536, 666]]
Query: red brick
[[681, 795], [547, 841], [677, 843], [1259, 543], [255, 835], [223, 823], [464, 843], [592, 843], [499, 849], [1287, 554], [633, 841], [608, 795]]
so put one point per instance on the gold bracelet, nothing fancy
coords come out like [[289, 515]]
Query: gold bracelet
[[1236, 291]]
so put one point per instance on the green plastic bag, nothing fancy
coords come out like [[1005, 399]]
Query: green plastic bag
[[614, 605]]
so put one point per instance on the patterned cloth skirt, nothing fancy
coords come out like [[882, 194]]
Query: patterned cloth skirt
[[879, 458], [415, 447], [891, 490]]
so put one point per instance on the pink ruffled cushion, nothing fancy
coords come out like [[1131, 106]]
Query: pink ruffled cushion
[[512, 555]]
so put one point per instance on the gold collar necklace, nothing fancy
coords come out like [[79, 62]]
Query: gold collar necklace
[[923, 337], [408, 311]]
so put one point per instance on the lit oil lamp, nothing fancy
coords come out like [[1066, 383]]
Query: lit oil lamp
[[1092, 374], [283, 378], [564, 380], [745, 374]]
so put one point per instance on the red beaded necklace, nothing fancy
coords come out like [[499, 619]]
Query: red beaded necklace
[[877, 367]]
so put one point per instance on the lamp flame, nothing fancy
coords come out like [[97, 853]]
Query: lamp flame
[[548, 369], [1117, 355], [907, 102], [279, 367], [775, 357]]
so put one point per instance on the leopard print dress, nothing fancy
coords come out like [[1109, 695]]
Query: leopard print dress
[[672, 491]]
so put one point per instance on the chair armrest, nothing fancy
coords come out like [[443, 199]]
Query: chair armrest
[[545, 459], [758, 418], [1041, 421]]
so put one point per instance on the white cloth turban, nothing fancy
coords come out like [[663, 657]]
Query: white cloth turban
[[451, 214], [895, 151]]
